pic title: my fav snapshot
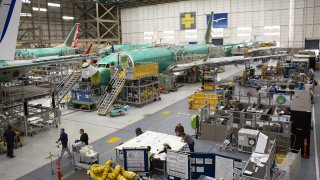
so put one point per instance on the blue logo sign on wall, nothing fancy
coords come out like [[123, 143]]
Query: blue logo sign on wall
[[219, 20]]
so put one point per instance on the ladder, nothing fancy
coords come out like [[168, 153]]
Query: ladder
[[66, 84], [108, 98]]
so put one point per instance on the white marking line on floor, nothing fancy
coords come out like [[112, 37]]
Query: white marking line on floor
[[315, 143]]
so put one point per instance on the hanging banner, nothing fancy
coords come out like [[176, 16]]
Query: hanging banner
[[187, 20], [219, 20]]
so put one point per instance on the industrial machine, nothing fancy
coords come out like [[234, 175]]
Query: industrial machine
[[168, 82], [83, 95], [247, 140]]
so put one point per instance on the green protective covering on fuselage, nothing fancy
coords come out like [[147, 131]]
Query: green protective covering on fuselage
[[163, 56], [44, 52], [104, 76], [190, 49], [228, 50], [124, 47], [107, 50], [102, 66], [112, 58], [196, 49]]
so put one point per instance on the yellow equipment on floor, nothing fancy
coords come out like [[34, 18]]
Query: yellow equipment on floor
[[198, 100], [99, 172], [280, 158]]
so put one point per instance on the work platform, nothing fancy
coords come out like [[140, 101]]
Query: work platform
[[28, 92]]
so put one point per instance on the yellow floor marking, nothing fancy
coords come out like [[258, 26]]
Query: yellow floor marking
[[130, 121], [166, 112], [113, 140]]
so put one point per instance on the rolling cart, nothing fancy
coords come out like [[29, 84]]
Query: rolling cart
[[84, 156]]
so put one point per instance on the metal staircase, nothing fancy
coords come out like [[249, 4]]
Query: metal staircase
[[67, 83], [111, 92]]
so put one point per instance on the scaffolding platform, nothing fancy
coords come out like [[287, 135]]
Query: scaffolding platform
[[140, 92]]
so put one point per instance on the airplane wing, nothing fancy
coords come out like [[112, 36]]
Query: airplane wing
[[219, 62], [261, 48], [20, 64]]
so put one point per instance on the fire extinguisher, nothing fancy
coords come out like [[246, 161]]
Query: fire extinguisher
[[305, 148]]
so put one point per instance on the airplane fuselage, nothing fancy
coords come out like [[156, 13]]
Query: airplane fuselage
[[44, 52], [163, 56]]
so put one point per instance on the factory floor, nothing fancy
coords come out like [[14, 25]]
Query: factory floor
[[32, 155], [35, 149], [160, 116]]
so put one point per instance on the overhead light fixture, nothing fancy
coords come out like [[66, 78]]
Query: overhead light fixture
[[67, 17], [26, 14], [26, 1], [39, 9], [53, 4]]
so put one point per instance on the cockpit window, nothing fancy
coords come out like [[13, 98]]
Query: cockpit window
[[101, 65]]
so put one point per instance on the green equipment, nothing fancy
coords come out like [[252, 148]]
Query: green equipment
[[195, 125]]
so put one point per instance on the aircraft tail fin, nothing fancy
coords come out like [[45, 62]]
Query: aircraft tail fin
[[88, 51], [72, 38], [9, 25], [76, 37], [208, 33]]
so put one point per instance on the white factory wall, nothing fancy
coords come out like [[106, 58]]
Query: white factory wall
[[265, 20]]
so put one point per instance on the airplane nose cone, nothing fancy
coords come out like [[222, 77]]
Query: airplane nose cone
[[104, 76]]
